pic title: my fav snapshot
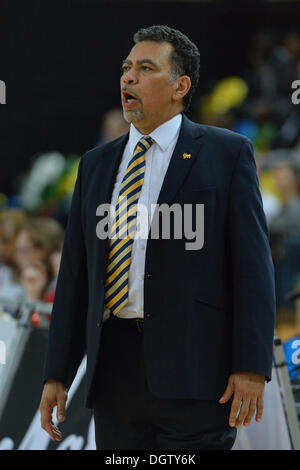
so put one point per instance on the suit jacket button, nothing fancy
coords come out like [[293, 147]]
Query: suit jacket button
[[148, 315], [98, 323]]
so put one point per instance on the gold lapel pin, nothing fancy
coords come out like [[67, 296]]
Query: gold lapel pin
[[186, 155]]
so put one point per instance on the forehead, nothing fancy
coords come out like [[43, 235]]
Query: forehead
[[158, 52]]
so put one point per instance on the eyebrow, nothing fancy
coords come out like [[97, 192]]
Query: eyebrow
[[139, 62]]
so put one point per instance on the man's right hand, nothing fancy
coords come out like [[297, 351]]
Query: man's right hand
[[54, 394]]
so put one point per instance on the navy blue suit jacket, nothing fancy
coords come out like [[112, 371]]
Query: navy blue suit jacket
[[207, 313]]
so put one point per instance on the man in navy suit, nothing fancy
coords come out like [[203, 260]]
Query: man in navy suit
[[179, 345]]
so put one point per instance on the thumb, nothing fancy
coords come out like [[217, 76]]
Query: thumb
[[61, 408], [227, 394]]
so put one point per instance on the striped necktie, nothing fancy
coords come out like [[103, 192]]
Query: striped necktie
[[123, 229]]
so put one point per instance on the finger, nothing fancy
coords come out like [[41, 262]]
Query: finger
[[251, 412], [56, 433], [53, 432], [227, 394], [47, 423], [259, 409], [46, 414], [61, 406], [235, 406], [242, 413]]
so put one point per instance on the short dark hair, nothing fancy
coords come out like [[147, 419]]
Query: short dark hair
[[185, 59]]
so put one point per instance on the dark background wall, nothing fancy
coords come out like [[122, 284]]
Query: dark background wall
[[60, 60]]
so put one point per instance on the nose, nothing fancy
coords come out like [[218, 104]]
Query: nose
[[130, 77]]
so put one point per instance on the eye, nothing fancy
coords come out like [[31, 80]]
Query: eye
[[145, 67], [124, 68]]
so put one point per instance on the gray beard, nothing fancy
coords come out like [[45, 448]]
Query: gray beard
[[133, 116]]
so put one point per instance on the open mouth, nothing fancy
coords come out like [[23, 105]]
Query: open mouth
[[129, 97]]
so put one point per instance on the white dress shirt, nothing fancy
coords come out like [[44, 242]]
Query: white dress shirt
[[157, 161]]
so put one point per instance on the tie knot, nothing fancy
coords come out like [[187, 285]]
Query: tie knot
[[145, 142]]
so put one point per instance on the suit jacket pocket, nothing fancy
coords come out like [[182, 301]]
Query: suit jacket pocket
[[208, 303], [202, 192], [205, 195]]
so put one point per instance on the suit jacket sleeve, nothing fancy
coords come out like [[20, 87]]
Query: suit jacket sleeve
[[66, 345], [253, 271]]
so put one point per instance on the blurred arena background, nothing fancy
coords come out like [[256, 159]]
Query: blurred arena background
[[60, 62]]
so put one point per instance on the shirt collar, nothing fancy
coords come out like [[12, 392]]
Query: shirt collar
[[163, 135]]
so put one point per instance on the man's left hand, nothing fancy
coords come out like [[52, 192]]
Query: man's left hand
[[248, 390]]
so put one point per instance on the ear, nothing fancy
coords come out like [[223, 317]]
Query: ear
[[181, 87]]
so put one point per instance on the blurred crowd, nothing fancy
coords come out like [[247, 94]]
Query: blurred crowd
[[257, 103], [30, 252], [33, 222]]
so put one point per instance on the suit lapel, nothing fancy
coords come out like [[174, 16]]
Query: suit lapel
[[110, 163], [188, 145]]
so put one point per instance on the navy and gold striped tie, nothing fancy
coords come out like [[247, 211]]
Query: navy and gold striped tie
[[123, 229]]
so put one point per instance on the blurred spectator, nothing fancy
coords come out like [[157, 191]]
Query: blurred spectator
[[113, 125], [37, 243], [287, 181], [218, 108], [54, 260], [272, 67], [288, 56], [46, 189], [285, 231], [46, 169], [271, 202], [35, 278], [258, 103], [12, 222]]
